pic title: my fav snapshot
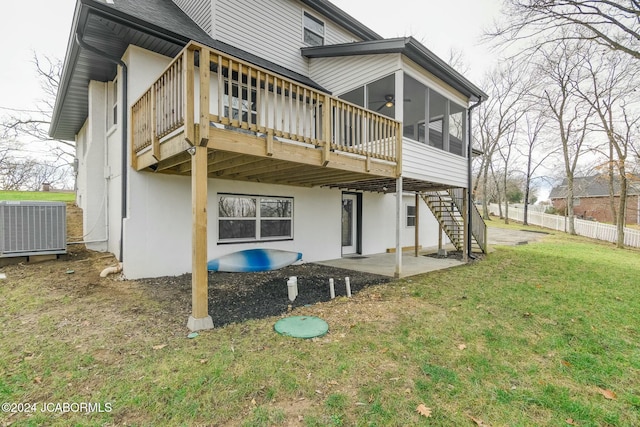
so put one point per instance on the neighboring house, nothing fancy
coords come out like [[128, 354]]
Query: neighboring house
[[592, 200], [205, 127]]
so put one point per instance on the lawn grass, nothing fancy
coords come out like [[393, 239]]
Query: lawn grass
[[49, 196], [536, 334]]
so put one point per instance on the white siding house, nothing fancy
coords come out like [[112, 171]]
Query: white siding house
[[200, 116], [280, 23], [201, 11]]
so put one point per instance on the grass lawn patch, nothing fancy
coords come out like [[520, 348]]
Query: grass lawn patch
[[544, 334], [48, 196]]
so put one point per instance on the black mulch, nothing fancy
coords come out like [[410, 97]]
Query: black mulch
[[236, 297], [450, 254]]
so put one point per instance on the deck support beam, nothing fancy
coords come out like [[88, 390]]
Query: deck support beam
[[205, 75], [398, 271], [199, 318], [417, 226], [399, 113]]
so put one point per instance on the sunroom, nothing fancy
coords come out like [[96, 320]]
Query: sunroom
[[401, 79]]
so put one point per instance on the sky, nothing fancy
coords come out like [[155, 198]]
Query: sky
[[438, 24], [28, 26], [43, 26]]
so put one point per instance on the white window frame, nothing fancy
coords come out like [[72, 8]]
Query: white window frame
[[257, 219], [451, 100], [112, 103], [312, 31], [407, 215]]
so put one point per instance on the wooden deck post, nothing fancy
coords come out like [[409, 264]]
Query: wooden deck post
[[327, 108], [189, 93], [399, 114], [199, 318], [155, 141], [205, 75], [398, 271]]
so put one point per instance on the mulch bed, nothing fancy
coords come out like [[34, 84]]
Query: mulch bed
[[236, 297]]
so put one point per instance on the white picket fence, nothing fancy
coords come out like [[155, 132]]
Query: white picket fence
[[592, 229]]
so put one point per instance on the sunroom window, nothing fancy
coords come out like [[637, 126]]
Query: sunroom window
[[446, 120], [254, 218], [457, 127], [378, 96]]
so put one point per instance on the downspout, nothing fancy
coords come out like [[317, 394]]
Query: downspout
[[79, 40], [470, 179]]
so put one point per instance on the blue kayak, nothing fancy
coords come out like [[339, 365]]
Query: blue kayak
[[252, 260]]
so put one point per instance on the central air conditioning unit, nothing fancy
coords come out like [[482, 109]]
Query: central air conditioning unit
[[32, 228]]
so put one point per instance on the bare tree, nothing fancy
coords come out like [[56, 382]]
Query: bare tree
[[33, 125], [561, 71], [28, 156], [609, 89], [22, 172], [458, 61], [496, 118], [614, 24], [536, 150], [506, 149], [498, 191]]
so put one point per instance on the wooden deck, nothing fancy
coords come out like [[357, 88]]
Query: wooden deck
[[210, 115], [259, 127]]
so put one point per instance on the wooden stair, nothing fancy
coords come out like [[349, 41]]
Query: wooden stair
[[447, 207]]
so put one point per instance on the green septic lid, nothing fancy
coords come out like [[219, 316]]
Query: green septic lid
[[301, 327]]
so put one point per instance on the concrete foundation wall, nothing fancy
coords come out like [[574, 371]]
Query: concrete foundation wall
[[158, 230]]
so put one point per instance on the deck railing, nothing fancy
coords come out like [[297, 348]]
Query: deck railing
[[478, 226], [160, 110], [235, 94]]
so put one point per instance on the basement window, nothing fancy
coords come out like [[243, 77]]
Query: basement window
[[313, 30], [254, 218], [411, 216]]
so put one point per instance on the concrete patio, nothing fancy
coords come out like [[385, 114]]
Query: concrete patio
[[385, 264]]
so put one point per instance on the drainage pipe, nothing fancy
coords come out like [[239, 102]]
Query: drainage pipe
[[111, 270], [88, 241], [124, 125]]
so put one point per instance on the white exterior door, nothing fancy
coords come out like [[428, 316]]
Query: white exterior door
[[349, 224]]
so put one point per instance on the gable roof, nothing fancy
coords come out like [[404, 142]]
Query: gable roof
[[342, 18], [157, 25], [592, 186], [162, 27], [409, 47]]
